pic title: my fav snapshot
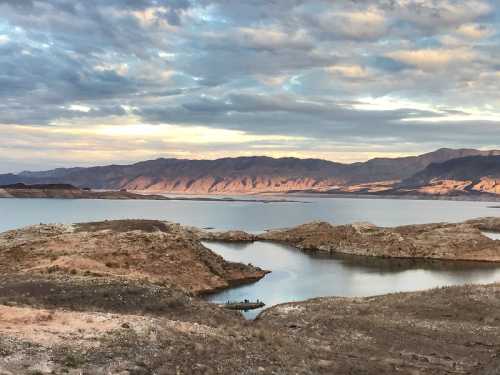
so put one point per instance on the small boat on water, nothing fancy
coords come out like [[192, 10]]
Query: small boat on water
[[243, 305]]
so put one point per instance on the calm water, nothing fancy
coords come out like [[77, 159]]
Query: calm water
[[298, 276], [295, 275], [495, 236], [249, 216]]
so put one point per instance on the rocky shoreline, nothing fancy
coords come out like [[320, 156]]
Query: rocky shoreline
[[123, 297], [62, 191], [441, 241], [65, 191]]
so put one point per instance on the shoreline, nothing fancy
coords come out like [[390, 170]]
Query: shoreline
[[119, 195], [463, 241], [309, 194], [463, 198], [256, 197], [120, 294]]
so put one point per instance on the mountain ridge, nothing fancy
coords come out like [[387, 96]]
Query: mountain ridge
[[242, 175], [467, 175]]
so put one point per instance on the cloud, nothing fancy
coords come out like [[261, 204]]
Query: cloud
[[440, 14], [432, 59], [272, 39], [317, 71], [348, 71], [475, 31], [367, 25]]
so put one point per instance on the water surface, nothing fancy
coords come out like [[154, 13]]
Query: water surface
[[249, 216], [297, 276], [494, 236]]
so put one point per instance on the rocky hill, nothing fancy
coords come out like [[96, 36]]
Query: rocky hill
[[384, 169], [240, 175], [151, 251], [472, 174]]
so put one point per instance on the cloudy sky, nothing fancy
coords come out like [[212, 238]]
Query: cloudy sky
[[87, 82]]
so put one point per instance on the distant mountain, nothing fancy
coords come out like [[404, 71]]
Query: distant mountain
[[383, 169], [472, 174], [242, 174], [469, 168]]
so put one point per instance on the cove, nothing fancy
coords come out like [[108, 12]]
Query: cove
[[298, 276]]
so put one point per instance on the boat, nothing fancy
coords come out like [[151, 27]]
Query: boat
[[243, 305]]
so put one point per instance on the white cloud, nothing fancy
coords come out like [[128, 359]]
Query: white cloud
[[4, 39], [348, 71], [475, 31], [119, 68], [432, 59]]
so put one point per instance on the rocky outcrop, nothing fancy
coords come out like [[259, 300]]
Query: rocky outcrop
[[158, 252], [228, 236], [463, 241]]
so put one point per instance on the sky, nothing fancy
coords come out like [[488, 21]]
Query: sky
[[94, 82]]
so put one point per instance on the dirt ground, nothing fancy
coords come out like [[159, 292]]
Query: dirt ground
[[122, 298], [453, 330]]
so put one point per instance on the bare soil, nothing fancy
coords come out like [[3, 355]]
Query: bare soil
[[121, 297], [453, 330]]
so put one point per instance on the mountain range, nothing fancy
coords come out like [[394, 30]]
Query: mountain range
[[445, 171]]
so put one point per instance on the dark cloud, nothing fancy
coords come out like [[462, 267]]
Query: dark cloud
[[265, 114]]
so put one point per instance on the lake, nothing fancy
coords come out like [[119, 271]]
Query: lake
[[295, 275], [298, 276], [249, 216]]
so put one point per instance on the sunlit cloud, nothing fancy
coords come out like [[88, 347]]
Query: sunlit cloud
[[432, 59], [189, 135], [349, 71], [475, 31]]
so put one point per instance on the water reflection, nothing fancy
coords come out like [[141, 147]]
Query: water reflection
[[298, 276]]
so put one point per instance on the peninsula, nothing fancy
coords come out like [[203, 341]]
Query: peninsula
[[68, 191]]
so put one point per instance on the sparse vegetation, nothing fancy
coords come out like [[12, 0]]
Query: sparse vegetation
[[64, 322]]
